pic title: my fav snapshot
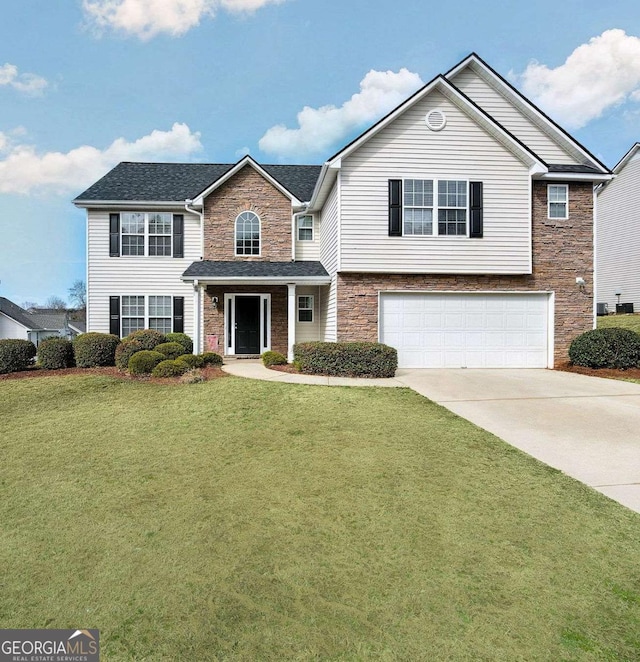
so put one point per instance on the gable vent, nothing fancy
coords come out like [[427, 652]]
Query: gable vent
[[436, 120]]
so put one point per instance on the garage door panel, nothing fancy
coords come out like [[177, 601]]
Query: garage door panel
[[466, 330]]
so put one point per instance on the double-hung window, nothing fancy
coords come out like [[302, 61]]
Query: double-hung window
[[305, 228], [558, 200], [146, 233], [146, 312], [305, 308], [427, 199]]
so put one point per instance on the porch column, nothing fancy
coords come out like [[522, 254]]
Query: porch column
[[291, 319]]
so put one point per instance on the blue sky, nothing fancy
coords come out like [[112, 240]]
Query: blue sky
[[87, 83]]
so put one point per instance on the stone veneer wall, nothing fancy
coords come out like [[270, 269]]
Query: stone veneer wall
[[247, 191], [214, 319], [562, 251]]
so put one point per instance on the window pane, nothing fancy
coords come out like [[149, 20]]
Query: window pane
[[418, 221], [132, 306], [452, 221], [159, 245], [132, 222], [131, 324], [418, 193], [160, 223], [132, 244], [160, 307], [161, 324], [452, 193], [305, 316], [557, 210]]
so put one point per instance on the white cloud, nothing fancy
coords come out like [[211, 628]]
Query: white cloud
[[24, 171], [320, 128], [148, 18], [27, 83], [598, 75]]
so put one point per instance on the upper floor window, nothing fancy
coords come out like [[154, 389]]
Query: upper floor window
[[247, 234], [305, 228], [421, 206], [145, 233], [558, 200]]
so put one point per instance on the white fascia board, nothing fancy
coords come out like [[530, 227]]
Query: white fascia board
[[626, 158], [257, 281], [323, 187], [122, 204], [575, 177], [28, 328], [519, 100], [247, 160]]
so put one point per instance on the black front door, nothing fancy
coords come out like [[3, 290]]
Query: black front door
[[247, 325]]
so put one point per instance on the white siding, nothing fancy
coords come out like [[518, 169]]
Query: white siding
[[618, 239], [309, 250], [11, 329], [462, 150], [111, 276], [511, 117], [309, 331], [329, 229]]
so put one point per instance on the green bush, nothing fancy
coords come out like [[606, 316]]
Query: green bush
[[347, 359], [16, 355], [273, 358], [125, 350], [169, 368], [55, 353], [92, 350], [183, 339], [606, 348], [191, 360], [143, 362], [211, 358], [148, 338], [172, 350]]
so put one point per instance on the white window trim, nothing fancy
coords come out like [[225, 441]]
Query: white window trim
[[566, 202], [235, 235], [312, 228], [435, 208], [312, 309], [146, 315], [146, 234], [230, 321]]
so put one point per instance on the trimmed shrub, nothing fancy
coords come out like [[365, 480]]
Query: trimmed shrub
[[148, 338], [606, 348], [273, 358], [169, 368], [211, 358], [183, 339], [346, 359], [16, 355], [55, 354], [172, 350], [194, 376], [125, 350], [143, 362], [191, 360], [92, 350]]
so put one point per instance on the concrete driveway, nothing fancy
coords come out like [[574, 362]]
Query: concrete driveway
[[587, 427]]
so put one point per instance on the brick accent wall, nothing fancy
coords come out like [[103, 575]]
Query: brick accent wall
[[562, 251], [214, 319], [247, 191]]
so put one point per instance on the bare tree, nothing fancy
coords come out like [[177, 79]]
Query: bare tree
[[78, 294], [55, 303], [29, 305]]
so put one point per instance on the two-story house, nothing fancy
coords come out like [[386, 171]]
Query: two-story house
[[458, 229]]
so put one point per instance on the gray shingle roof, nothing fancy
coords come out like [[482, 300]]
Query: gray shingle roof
[[562, 167], [241, 269], [49, 321], [18, 314], [181, 181]]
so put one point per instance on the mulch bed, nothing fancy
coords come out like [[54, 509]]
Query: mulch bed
[[610, 373], [210, 372], [290, 368]]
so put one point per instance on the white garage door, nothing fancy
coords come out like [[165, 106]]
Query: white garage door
[[466, 330]]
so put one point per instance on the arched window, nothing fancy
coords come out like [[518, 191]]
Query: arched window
[[247, 234]]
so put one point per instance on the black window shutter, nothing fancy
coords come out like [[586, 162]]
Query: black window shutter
[[114, 235], [114, 316], [178, 314], [475, 194], [178, 235], [395, 207]]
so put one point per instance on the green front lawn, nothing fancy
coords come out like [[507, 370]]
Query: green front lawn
[[243, 520], [623, 321]]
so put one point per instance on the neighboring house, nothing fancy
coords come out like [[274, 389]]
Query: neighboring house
[[454, 230], [34, 325], [617, 236]]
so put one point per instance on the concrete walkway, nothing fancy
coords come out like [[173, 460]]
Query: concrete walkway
[[587, 427]]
